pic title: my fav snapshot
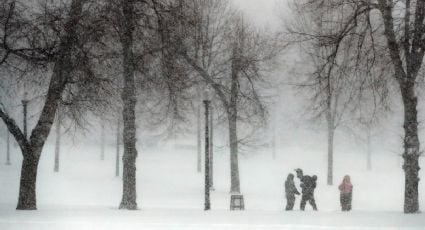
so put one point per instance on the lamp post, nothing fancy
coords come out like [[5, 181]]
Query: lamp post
[[211, 149], [25, 105], [102, 140], [207, 153], [7, 147], [57, 143]]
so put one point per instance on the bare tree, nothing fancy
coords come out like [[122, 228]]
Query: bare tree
[[154, 82], [226, 39], [40, 39], [382, 34], [129, 103]]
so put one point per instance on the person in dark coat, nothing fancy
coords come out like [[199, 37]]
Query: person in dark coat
[[308, 185], [346, 193], [290, 192], [299, 174]]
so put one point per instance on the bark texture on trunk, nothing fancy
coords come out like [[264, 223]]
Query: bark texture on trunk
[[117, 157], [129, 118], [27, 187], [411, 149], [405, 72], [207, 204], [31, 149]]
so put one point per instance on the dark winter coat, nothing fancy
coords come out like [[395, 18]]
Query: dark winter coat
[[308, 184], [290, 189]]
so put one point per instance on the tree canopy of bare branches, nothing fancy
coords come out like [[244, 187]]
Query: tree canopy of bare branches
[[383, 41]]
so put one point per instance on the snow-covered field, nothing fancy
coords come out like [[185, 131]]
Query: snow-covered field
[[85, 194]]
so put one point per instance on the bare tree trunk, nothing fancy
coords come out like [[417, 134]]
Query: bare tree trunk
[[27, 186], [199, 142], [117, 159], [369, 149], [207, 204], [102, 141], [31, 149], [274, 141], [331, 132], [129, 99], [57, 144], [411, 149]]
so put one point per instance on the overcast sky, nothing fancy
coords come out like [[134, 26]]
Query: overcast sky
[[263, 11]]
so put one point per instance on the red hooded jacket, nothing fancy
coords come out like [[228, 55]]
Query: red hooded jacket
[[346, 186]]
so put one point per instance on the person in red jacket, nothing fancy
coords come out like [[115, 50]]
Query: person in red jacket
[[346, 193]]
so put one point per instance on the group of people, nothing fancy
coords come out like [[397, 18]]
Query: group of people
[[308, 185]]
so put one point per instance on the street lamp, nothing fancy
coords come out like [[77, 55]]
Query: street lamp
[[57, 143], [25, 105], [207, 102], [7, 147], [102, 140], [211, 148]]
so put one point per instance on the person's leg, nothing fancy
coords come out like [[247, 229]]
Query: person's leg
[[349, 200], [290, 201], [343, 202], [313, 202], [303, 202]]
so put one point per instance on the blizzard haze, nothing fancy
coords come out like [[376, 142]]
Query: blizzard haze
[[80, 188]]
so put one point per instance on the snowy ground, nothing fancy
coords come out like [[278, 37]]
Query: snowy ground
[[109, 218], [85, 194]]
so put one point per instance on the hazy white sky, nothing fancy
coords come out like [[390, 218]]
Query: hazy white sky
[[266, 12]]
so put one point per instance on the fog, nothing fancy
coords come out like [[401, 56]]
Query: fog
[[83, 176]]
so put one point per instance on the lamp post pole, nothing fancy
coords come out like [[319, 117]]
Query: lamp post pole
[[207, 158], [58, 143], [211, 149], [102, 140], [25, 105], [7, 147]]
